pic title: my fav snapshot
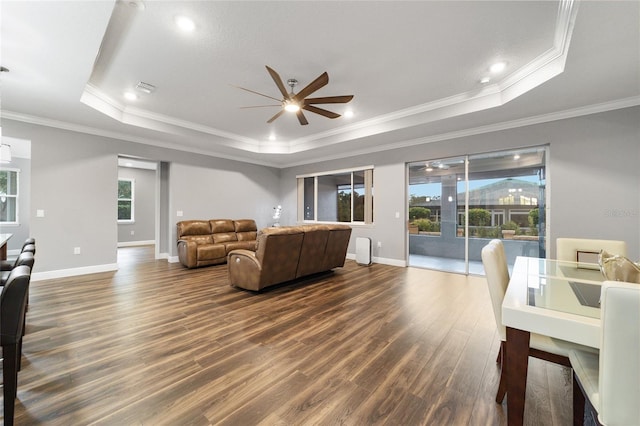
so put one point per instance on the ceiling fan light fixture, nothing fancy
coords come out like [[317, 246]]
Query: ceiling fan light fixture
[[291, 106]]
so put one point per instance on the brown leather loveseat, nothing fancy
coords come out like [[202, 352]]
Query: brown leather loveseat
[[286, 253], [208, 242]]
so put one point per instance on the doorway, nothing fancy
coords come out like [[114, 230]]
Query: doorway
[[457, 205]]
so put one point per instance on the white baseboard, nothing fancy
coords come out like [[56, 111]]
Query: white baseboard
[[173, 259], [382, 260], [72, 272], [136, 243]]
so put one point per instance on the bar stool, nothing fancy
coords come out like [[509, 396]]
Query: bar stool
[[13, 300]]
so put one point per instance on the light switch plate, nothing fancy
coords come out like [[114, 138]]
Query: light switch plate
[[39, 213]]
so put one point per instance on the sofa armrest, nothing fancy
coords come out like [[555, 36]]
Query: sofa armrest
[[244, 269], [188, 253]]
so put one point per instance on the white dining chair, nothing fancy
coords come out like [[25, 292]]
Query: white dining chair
[[541, 347], [568, 248], [611, 380]]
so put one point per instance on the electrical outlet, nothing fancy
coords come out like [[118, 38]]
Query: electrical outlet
[[133, 232], [179, 213], [76, 250], [379, 244]]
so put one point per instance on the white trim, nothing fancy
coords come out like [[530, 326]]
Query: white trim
[[163, 256], [331, 172], [173, 259], [136, 243], [72, 272], [505, 125], [382, 260]]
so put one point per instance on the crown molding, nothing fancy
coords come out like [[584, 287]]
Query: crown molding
[[529, 121], [543, 68], [10, 115], [496, 127]]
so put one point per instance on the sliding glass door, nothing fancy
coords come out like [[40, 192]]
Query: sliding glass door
[[457, 205]]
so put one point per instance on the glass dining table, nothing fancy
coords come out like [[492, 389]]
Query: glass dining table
[[554, 298]]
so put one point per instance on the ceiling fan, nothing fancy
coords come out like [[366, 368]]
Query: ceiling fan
[[296, 102]]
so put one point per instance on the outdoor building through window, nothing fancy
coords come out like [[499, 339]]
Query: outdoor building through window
[[340, 196], [457, 205], [8, 196], [125, 200]]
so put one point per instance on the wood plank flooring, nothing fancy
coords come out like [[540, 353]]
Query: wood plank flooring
[[157, 344]]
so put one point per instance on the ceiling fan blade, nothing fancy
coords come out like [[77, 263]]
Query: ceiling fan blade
[[301, 118], [321, 111], [257, 93], [278, 114], [316, 84], [276, 78], [329, 100], [260, 106]]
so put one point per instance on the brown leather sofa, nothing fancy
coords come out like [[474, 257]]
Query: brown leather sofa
[[286, 253], [208, 242]]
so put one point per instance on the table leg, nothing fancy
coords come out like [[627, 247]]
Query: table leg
[[517, 362], [3, 251]]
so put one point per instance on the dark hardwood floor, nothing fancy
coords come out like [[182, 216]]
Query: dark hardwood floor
[[157, 344]]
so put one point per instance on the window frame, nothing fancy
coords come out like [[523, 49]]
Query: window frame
[[15, 196], [368, 195], [131, 200]]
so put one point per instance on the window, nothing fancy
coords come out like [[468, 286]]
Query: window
[[126, 190], [9, 196], [341, 196]]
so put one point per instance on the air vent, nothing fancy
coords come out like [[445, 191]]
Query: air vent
[[145, 87]]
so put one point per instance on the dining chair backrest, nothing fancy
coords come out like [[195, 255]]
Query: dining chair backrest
[[619, 370], [567, 248], [29, 248], [29, 241], [13, 300], [496, 270]]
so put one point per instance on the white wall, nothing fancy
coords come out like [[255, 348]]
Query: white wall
[[594, 186], [247, 192], [594, 189], [74, 180], [21, 231]]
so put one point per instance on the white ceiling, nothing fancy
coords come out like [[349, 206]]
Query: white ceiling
[[413, 68]]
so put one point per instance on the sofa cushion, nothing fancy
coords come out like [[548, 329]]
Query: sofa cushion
[[245, 225], [224, 237], [210, 252], [222, 225], [193, 227], [247, 236], [198, 239]]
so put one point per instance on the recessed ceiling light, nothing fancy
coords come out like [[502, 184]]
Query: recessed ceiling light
[[185, 24], [485, 80], [130, 96], [348, 113], [516, 157], [272, 137], [498, 67]]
